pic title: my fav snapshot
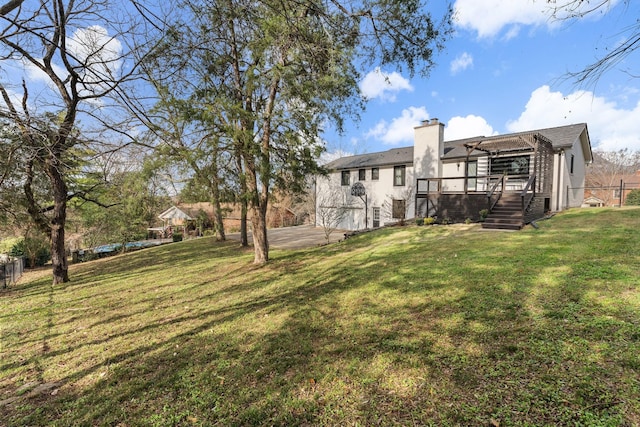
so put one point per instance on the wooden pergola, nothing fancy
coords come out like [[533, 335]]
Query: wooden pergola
[[522, 143]]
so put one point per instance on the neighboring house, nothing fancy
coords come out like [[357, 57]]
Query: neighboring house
[[172, 219], [277, 216], [612, 195], [592, 202], [174, 216], [517, 177]]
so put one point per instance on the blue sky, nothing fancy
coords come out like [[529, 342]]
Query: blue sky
[[505, 70]]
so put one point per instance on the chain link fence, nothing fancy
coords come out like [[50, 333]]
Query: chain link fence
[[10, 271]]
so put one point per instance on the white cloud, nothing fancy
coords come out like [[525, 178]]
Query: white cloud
[[400, 130], [327, 157], [15, 98], [489, 17], [610, 126], [97, 51], [36, 74], [378, 84], [461, 63], [467, 127]]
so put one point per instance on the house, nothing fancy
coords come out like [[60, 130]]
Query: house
[[277, 216], [174, 216], [172, 219], [516, 177], [593, 202], [612, 195]]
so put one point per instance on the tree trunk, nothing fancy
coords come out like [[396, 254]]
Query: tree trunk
[[218, 219], [258, 214], [215, 190], [54, 227], [58, 219], [259, 231], [260, 195], [244, 240]]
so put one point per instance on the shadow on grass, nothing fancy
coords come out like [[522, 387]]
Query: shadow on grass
[[370, 331]]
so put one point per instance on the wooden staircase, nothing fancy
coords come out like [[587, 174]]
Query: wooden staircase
[[506, 214]]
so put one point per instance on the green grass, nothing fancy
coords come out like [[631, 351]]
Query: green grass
[[442, 325]]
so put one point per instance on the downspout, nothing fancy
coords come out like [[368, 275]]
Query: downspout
[[559, 182], [621, 192]]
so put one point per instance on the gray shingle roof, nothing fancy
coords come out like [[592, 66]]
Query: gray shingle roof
[[395, 156], [560, 137]]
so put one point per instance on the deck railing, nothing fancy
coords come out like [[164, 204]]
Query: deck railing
[[471, 184], [492, 186]]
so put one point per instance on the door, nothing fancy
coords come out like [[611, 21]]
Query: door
[[376, 217]]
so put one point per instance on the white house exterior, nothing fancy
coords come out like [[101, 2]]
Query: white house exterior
[[457, 179]]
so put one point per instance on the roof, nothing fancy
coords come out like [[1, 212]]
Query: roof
[[394, 156], [174, 213], [560, 137]]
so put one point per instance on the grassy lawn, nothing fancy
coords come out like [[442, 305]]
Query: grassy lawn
[[442, 325]]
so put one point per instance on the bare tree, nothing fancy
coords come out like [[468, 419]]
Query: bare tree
[[71, 58], [398, 206], [609, 168], [331, 210], [9, 6], [624, 43]]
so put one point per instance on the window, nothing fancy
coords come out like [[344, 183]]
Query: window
[[362, 174], [472, 175], [375, 174], [571, 165], [398, 175], [376, 217], [398, 209], [345, 177], [516, 165]]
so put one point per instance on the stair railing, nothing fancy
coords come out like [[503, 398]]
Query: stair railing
[[527, 196], [494, 189]]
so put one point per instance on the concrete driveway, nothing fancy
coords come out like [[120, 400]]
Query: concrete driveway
[[299, 237]]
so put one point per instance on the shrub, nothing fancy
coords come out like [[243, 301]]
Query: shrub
[[633, 198], [468, 221], [35, 250], [429, 220], [446, 221], [484, 213], [7, 245], [177, 237], [419, 221]]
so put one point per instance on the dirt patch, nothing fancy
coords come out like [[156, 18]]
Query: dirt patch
[[30, 390]]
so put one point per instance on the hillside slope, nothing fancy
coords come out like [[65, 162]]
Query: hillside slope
[[441, 325]]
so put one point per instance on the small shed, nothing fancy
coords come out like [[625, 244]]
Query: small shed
[[593, 202], [174, 216], [171, 218]]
